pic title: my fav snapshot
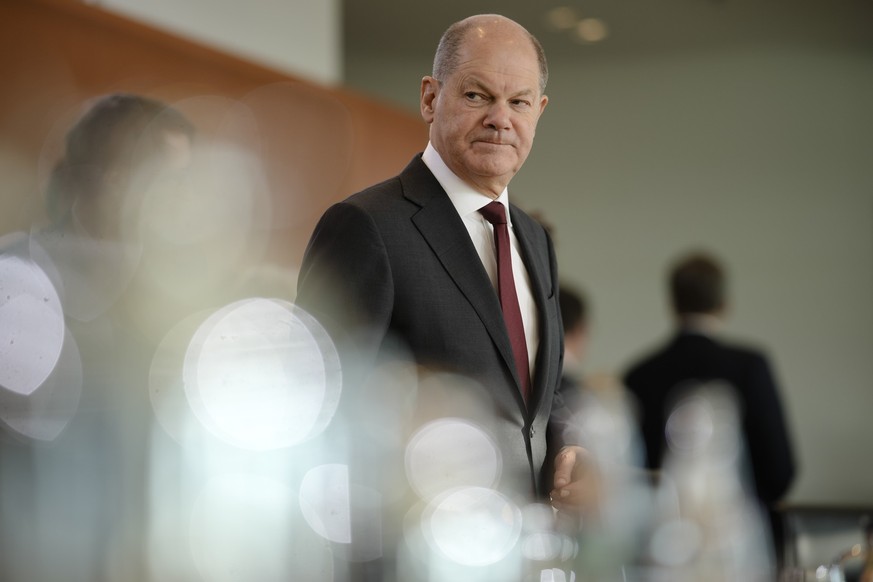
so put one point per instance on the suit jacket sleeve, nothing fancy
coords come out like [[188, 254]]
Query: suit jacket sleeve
[[770, 451], [345, 280], [564, 426], [565, 400]]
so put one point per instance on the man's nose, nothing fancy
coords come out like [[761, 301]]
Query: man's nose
[[498, 117]]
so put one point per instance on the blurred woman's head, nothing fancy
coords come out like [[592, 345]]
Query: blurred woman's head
[[119, 138]]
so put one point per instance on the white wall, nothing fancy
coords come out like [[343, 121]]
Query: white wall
[[761, 154], [303, 37]]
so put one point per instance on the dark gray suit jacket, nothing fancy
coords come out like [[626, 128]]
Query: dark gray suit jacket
[[396, 263]]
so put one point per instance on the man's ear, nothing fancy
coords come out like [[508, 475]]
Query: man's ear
[[429, 91], [544, 100]]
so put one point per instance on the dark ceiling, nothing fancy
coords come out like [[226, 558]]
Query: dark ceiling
[[393, 27]]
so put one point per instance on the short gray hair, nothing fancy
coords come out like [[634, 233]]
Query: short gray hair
[[446, 58]]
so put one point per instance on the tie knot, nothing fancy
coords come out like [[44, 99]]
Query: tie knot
[[494, 213]]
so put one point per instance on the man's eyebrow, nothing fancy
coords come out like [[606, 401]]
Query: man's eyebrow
[[473, 82], [476, 83]]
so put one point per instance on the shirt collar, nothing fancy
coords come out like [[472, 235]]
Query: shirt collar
[[466, 200]]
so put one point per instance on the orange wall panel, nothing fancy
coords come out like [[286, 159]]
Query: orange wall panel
[[317, 144]]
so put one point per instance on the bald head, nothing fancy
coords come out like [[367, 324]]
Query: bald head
[[484, 26]]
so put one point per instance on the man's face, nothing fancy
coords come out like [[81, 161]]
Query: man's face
[[484, 116]]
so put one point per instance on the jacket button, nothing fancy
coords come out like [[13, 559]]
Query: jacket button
[[532, 432]]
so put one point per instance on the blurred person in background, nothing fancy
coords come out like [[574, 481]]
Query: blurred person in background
[[412, 260], [76, 415], [574, 315], [697, 354], [120, 147], [576, 318], [121, 138]]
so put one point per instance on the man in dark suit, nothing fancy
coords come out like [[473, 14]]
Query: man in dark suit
[[412, 262], [695, 356]]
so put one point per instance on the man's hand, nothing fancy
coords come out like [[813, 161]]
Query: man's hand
[[577, 481]]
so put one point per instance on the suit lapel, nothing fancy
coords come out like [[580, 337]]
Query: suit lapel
[[538, 273], [442, 228]]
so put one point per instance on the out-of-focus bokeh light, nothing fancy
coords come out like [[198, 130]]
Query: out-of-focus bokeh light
[[587, 29], [31, 324], [242, 528], [472, 526], [591, 30], [262, 374], [706, 423], [211, 197], [690, 426], [449, 453], [92, 273], [543, 546], [607, 429], [346, 514], [43, 414], [562, 17], [325, 502], [166, 385], [203, 218], [540, 541], [676, 542]]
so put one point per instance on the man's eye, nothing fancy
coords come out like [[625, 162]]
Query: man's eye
[[473, 96], [520, 103]]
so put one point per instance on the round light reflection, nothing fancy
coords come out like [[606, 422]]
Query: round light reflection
[[262, 374], [449, 453], [472, 526], [31, 325], [562, 17], [591, 30], [46, 412], [676, 542], [542, 546], [324, 502]]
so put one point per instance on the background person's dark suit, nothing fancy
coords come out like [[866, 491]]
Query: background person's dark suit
[[657, 381], [698, 357], [396, 262]]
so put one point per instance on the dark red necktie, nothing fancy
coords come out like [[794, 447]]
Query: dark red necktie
[[496, 215]]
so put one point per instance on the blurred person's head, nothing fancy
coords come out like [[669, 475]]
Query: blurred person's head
[[119, 137], [697, 286], [484, 99], [574, 315]]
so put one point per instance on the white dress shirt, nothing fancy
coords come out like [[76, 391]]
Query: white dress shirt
[[467, 202]]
